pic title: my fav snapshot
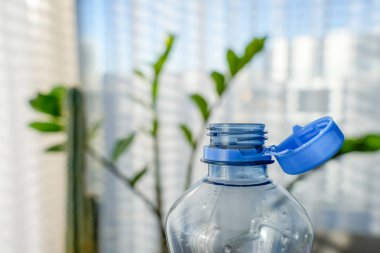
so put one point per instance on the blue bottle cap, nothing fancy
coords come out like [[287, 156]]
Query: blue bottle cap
[[309, 146]]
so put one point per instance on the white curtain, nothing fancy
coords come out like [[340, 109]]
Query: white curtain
[[37, 50], [319, 56]]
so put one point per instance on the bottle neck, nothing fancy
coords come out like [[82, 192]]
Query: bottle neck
[[238, 175], [236, 144]]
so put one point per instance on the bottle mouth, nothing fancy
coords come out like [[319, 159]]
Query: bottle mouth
[[236, 144], [237, 136]]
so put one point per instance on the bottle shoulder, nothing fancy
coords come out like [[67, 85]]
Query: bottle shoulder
[[262, 199]]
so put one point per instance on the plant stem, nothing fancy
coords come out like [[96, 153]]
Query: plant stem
[[157, 68], [198, 140], [194, 148], [117, 173], [157, 172], [82, 207], [157, 184], [289, 187]]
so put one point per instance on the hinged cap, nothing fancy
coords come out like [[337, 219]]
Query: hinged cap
[[309, 146]]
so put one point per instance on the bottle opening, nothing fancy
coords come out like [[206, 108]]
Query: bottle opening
[[236, 144], [237, 136]]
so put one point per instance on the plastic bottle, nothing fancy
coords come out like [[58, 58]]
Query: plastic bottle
[[237, 207]]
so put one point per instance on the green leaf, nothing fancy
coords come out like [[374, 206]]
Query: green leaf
[[93, 130], [56, 148], [121, 146], [254, 47], [236, 63], [202, 105], [158, 65], [233, 62], [50, 103], [366, 143], [46, 104], [140, 74], [138, 176], [46, 126], [187, 134], [59, 92], [219, 82], [154, 130], [155, 89]]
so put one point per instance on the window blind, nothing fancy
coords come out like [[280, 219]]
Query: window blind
[[305, 56], [37, 49]]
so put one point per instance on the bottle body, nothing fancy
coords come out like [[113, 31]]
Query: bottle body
[[238, 209]]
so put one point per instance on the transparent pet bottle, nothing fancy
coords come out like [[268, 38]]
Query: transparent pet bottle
[[237, 207]]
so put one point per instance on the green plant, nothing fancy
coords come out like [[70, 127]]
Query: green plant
[[62, 105], [55, 124], [64, 113], [82, 206], [222, 82], [157, 68]]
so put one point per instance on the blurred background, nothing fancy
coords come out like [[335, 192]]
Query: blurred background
[[322, 57]]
